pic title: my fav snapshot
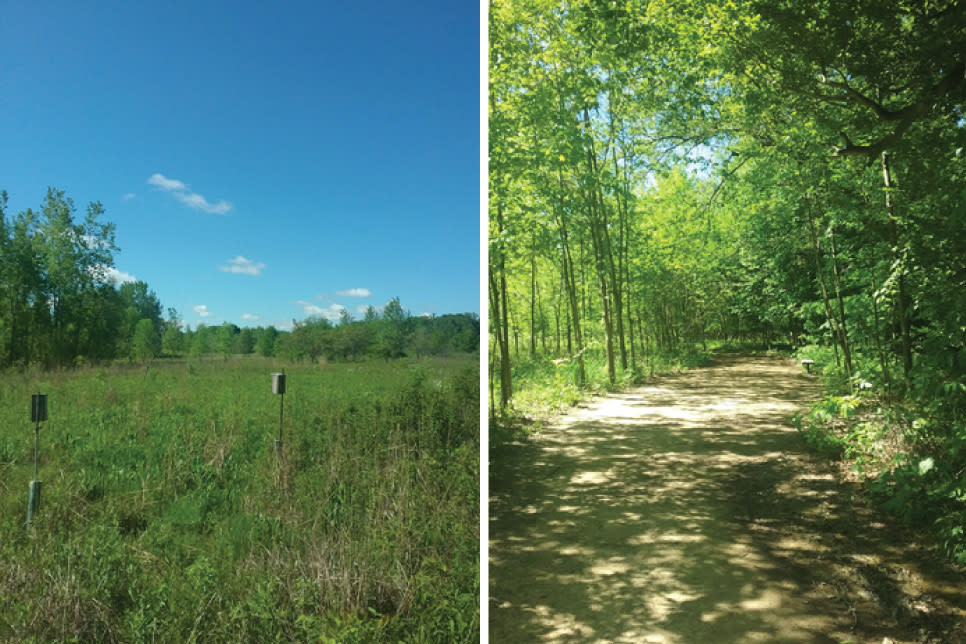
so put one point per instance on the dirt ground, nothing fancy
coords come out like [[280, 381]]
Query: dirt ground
[[689, 511]]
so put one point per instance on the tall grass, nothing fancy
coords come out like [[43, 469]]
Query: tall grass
[[167, 515]]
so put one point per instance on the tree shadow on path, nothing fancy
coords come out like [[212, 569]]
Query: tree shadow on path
[[688, 511]]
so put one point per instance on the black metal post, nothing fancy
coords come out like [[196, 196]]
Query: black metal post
[[281, 414]]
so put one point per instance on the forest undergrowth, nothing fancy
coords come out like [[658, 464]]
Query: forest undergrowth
[[906, 447]]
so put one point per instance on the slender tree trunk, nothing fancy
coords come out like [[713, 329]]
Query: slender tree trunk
[[598, 237], [516, 339], [618, 274], [883, 362], [567, 264], [846, 345], [570, 345], [838, 326], [902, 304], [541, 320], [574, 327], [556, 328], [533, 304], [501, 316], [492, 382], [837, 334]]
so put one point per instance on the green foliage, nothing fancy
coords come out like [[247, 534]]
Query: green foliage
[[168, 516], [146, 343], [819, 437]]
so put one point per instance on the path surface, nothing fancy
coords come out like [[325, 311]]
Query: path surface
[[688, 511]]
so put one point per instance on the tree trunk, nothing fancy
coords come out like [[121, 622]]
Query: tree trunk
[[501, 316], [846, 345], [902, 304], [567, 265], [533, 304], [839, 338], [883, 362], [592, 198]]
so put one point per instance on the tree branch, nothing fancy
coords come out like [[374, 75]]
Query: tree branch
[[906, 116]]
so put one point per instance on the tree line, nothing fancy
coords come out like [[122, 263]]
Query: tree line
[[392, 334], [59, 305], [663, 174]]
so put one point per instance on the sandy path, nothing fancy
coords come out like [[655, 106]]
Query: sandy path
[[688, 511]]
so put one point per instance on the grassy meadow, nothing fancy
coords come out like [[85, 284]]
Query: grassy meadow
[[167, 516]]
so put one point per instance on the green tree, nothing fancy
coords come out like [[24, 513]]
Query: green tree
[[265, 341], [201, 341], [371, 315], [74, 256], [393, 330], [173, 341], [345, 318], [22, 285], [146, 343], [225, 338], [244, 342], [58, 304]]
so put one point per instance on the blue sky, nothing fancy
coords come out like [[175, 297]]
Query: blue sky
[[262, 162]]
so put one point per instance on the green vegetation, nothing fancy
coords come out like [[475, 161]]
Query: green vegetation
[[60, 305], [670, 174], [908, 451], [166, 514]]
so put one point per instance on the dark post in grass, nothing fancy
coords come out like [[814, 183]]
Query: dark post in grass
[[278, 387], [38, 414]]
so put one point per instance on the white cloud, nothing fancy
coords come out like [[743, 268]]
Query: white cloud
[[331, 313], [119, 277], [197, 202], [243, 266], [355, 292], [182, 193], [161, 181], [202, 310], [250, 316], [128, 196], [92, 242], [110, 275], [309, 308]]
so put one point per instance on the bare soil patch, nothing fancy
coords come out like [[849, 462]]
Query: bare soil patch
[[689, 510]]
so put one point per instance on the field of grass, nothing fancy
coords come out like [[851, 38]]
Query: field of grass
[[167, 516]]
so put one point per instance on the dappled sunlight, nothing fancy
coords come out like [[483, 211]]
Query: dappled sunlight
[[679, 512]]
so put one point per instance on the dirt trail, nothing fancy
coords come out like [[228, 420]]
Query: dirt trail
[[689, 511]]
